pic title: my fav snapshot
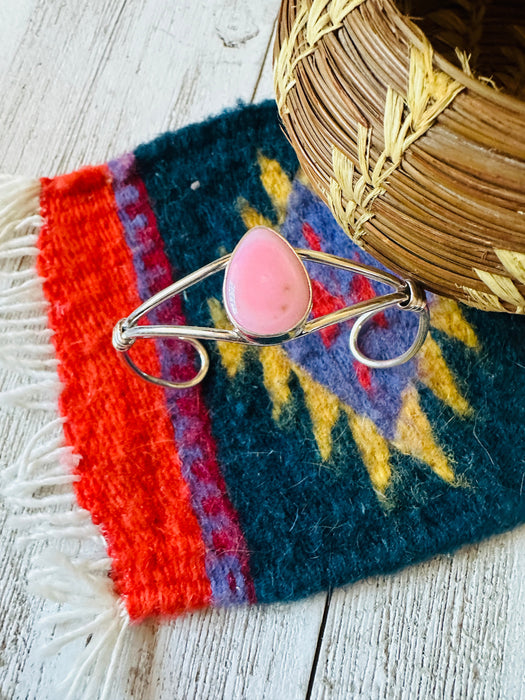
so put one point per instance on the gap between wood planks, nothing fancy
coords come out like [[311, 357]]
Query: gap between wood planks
[[263, 62], [315, 661]]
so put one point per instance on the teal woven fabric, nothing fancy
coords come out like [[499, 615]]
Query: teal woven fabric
[[336, 471]]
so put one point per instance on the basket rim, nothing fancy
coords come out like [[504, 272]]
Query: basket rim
[[499, 97], [349, 154]]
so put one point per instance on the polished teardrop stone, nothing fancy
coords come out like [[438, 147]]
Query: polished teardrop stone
[[267, 290]]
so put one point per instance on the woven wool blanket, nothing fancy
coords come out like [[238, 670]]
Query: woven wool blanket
[[290, 469]]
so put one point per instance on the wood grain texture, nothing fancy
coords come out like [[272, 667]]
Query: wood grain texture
[[437, 630], [81, 82]]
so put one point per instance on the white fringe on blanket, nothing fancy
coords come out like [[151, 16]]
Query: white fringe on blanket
[[38, 487]]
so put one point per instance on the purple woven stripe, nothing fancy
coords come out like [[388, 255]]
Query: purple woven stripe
[[227, 563], [330, 366]]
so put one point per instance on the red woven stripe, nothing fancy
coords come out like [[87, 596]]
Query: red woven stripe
[[131, 480]]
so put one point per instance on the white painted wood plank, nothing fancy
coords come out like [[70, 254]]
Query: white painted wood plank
[[16, 21], [263, 653], [513, 648], [88, 82], [438, 630]]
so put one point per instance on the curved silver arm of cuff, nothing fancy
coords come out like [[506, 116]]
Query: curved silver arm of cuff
[[407, 295]]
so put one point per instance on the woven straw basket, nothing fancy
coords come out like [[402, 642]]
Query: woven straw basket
[[413, 131]]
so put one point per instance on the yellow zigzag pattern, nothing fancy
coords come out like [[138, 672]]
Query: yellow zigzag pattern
[[434, 373], [374, 450], [277, 184], [252, 217], [447, 317], [414, 435], [231, 354]]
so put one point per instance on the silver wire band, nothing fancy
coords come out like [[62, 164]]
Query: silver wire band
[[407, 295], [197, 379], [422, 330]]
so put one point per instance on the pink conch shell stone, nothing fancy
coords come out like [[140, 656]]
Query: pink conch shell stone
[[266, 288]]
